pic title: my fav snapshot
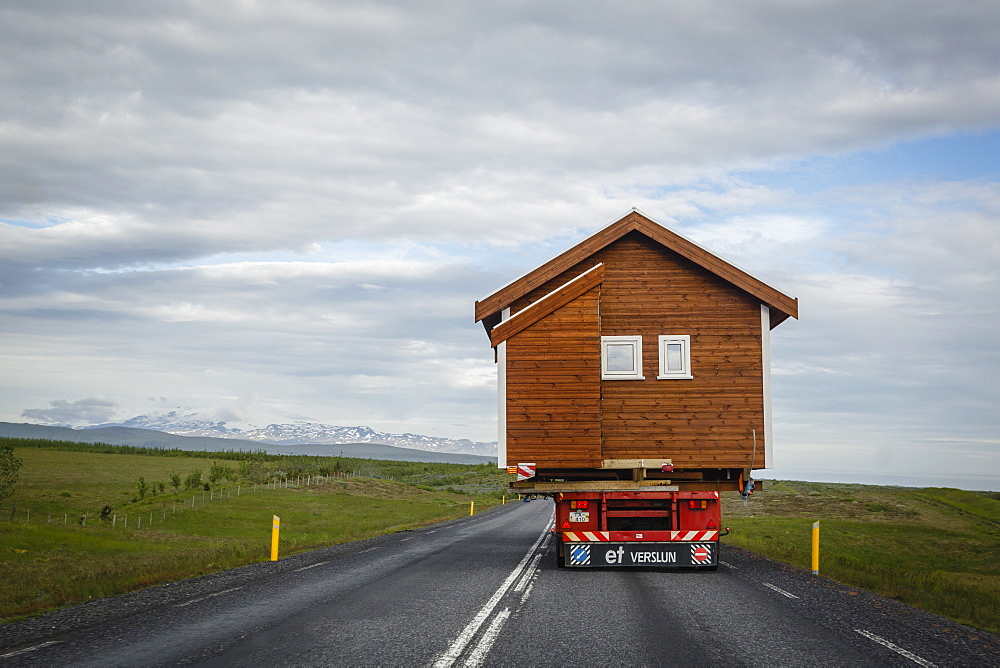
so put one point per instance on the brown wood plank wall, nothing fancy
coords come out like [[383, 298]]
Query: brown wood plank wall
[[554, 391], [648, 290]]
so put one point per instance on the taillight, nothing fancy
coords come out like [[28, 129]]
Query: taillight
[[697, 504], [579, 505]]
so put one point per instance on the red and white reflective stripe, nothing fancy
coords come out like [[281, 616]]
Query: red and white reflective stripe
[[679, 536], [525, 471], [577, 536], [693, 535], [654, 536]]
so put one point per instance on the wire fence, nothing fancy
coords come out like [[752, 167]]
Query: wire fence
[[147, 517]]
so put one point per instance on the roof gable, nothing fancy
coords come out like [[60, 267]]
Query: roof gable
[[559, 297], [781, 305]]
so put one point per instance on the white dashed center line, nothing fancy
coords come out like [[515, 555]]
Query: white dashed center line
[[203, 598], [29, 649], [920, 661], [306, 568], [780, 590]]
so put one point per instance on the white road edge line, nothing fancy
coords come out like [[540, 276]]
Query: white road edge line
[[728, 565], [29, 649], [780, 590], [896, 648], [463, 639], [306, 568], [490, 636], [218, 593]]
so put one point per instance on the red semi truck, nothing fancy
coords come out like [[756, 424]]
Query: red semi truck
[[674, 529], [642, 523]]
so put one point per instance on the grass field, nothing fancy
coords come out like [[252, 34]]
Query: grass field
[[49, 559], [935, 549]]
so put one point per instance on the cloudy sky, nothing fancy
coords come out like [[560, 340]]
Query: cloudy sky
[[286, 210]]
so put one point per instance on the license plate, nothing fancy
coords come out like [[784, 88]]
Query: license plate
[[579, 516]]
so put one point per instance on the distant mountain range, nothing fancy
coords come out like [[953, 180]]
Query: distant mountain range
[[151, 438], [191, 423]]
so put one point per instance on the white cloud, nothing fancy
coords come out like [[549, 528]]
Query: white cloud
[[71, 413], [300, 201]]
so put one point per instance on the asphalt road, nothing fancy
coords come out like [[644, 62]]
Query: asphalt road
[[485, 590]]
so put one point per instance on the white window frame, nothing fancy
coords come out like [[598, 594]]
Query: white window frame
[[684, 373], [636, 372]]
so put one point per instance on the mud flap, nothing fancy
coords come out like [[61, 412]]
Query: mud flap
[[640, 554]]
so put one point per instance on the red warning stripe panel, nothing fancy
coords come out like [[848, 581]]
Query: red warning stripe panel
[[525, 471], [586, 536], [693, 535], [638, 536]]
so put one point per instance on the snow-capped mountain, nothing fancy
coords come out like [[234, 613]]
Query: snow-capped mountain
[[190, 423]]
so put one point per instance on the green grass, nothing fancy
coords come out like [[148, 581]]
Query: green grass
[[935, 549], [47, 563]]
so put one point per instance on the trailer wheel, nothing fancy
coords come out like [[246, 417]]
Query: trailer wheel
[[560, 560]]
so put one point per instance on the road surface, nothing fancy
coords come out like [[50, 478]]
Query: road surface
[[485, 590]]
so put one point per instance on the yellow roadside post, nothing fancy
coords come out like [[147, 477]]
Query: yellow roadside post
[[503, 500], [815, 550], [275, 529], [472, 507]]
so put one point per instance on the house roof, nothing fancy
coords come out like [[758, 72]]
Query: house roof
[[781, 305]]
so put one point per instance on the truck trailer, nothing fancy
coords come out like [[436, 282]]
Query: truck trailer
[[633, 389]]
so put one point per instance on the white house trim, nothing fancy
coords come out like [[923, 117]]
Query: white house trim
[[502, 397], [765, 343]]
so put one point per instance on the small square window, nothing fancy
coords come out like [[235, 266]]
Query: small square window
[[621, 358], [675, 357]]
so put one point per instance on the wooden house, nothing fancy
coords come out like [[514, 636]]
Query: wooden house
[[635, 348]]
